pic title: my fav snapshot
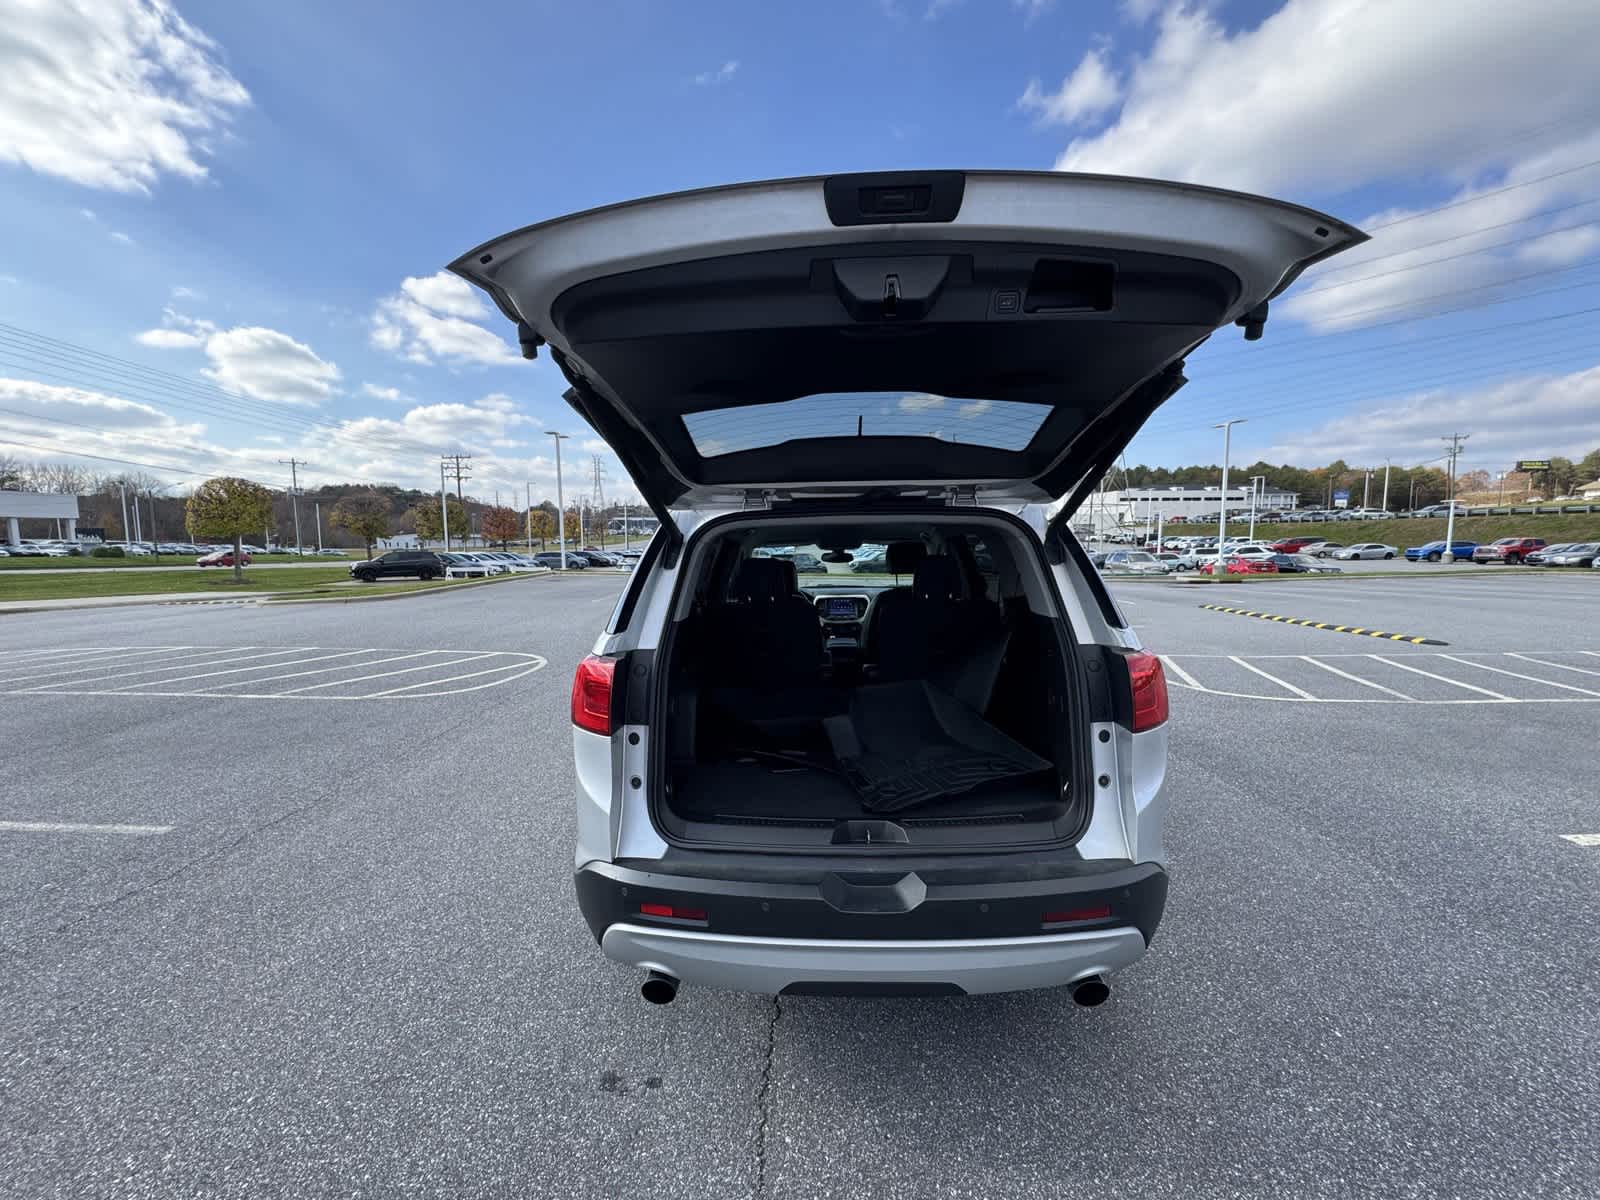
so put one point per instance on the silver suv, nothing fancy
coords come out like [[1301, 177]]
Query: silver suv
[[943, 773]]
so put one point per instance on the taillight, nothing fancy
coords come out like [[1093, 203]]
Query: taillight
[[1149, 683], [672, 912], [591, 694]]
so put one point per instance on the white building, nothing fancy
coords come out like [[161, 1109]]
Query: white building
[[20, 506], [1134, 508]]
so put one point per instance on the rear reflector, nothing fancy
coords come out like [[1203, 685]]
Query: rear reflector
[[1149, 683], [591, 694], [1097, 912], [672, 912]]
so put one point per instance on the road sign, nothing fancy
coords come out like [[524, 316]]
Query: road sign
[[1533, 464], [1341, 499]]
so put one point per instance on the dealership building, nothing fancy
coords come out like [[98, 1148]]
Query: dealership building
[[16, 507], [1138, 507]]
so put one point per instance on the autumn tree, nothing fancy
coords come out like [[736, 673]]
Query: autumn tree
[[500, 524], [228, 507], [542, 523], [365, 514], [430, 527]]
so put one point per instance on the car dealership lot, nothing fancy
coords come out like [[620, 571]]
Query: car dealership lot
[[333, 949]]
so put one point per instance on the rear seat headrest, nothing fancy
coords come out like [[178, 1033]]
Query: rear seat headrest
[[937, 578], [760, 580], [903, 557]]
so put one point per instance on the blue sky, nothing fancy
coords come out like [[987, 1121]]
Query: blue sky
[[245, 207]]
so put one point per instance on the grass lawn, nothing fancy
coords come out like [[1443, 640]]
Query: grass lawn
[[342, 589], [72, 584], [78, 562]]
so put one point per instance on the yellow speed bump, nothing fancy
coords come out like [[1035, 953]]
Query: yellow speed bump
[[1359, 630]]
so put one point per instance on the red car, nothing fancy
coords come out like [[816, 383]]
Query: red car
[[1242, 566], [221, 558], [1507, 550], [1294, 544]]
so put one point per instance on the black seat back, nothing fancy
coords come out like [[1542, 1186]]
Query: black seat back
[[773, 637]]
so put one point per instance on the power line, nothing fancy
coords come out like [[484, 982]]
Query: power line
[[127, 462], [457, 466], [1499, 191]]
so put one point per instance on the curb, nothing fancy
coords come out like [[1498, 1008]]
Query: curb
[[1359, 630], [412, 593]]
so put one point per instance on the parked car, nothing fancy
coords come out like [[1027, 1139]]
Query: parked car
[[804, 564], [1322, 549], [552, 559], [797, 846], [1314, 566], [1169, 560], [1508, 550], [1292, 564], [399, 564], [1577, 554], [221, 558], [1233, 564], [1133, 562], [1293, 545], [1366, 550], [1434, 551], [470, 564]]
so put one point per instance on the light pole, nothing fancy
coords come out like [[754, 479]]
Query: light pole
[[1366, 489], [1257, 482], [1502, 499], [1455, 440], [561, 503], [1227, 449], [444, 508], [317, 505], [1386, 485]]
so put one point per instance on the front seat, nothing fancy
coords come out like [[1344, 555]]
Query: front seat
[[902, 558], [773, 631], [919, 627]]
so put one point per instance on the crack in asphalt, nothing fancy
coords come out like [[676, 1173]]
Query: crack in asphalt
[[763, 1108]]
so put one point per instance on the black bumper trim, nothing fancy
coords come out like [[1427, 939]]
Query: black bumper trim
[[970, 907]]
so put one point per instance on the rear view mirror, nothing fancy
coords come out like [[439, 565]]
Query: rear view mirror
[[835, 556]]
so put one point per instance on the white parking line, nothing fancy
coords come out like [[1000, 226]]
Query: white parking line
[[384, 674], [1566, 687], [227, 656], [1471, 687], [1355, 678], [1558, 666], [239, 670], [73, 827], [1182, 674], [1582, 839], [322, 670], [411, 687], [79, 665], [1304, 695]]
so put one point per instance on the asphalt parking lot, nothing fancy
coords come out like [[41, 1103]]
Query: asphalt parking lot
[[286, 910]]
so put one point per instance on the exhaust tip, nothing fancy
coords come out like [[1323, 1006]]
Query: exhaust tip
[[659, 988], [1091, 992]]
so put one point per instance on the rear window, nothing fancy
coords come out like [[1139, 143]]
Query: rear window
[[999, 424]]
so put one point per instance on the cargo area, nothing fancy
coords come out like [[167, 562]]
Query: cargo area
[[869, 683]]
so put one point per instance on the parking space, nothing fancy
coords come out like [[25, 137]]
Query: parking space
[[1395, 677], [259, 673]]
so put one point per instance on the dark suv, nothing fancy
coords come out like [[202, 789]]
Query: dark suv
[[423, 564]]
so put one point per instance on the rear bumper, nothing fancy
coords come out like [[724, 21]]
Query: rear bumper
[[931, 929], [815, 965]]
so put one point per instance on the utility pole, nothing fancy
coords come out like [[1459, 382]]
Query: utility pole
[[127, 535], [317, 504], [561, 503], [1255, 489], [1455, 440], [138, 525], [1222, 519], [1386, 485], [1502, 499], [444, 508], [529, 512], [294, 465], [1366, 488]]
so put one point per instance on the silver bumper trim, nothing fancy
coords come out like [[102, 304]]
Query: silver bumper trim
[[751, 964]]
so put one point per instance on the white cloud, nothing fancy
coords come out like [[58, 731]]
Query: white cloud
[[973, 409], [269, 365], [1090, 90], [920, 402], [169, 339], [9, 279], [434, 318], [110, 93], [118, 236], [594, 446], [1533, 416], [721, 75], [186, 293], [1561, 246], [88, 214], [1330, 93], [1139, 11], [392, 394], [25, 399]]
